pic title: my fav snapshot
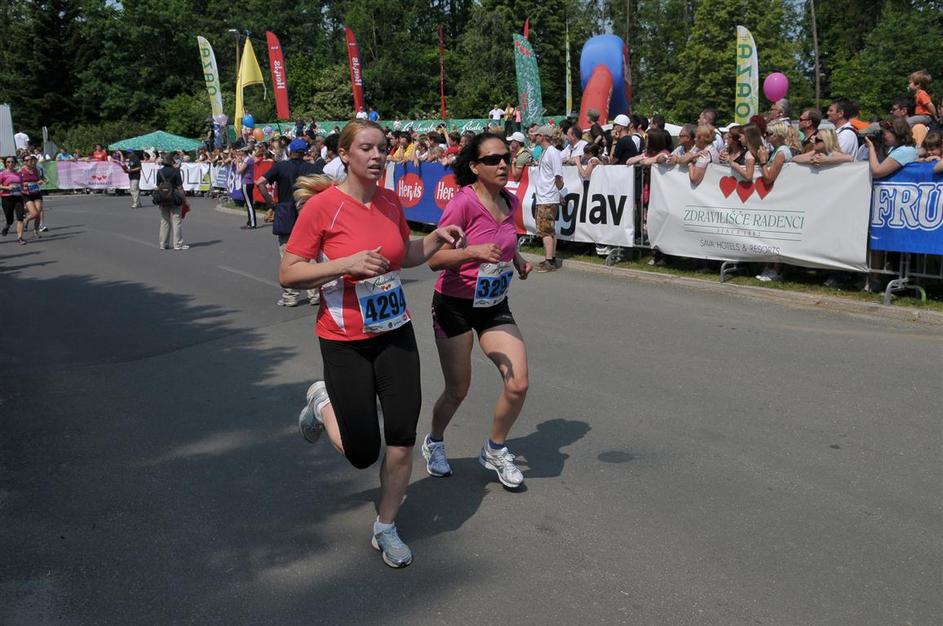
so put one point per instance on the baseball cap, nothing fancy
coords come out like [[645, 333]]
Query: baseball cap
[[518, 137], [298, 145], [545, 130], [621, 120]]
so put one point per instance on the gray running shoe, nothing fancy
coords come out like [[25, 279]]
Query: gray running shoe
[[310, 422], [437, 464], [395, 553], [289, 302], [502, 462]]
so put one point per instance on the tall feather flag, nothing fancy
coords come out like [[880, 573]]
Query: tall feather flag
[[569, 79], [356, 69], [211, 75], [276, 61], [529, 97], [747, 99], [249, 74]]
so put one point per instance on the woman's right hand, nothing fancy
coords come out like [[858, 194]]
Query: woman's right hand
[[485, 252], [366, 264]]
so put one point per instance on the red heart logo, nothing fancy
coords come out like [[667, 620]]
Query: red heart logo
[[745, 189], [763, 188], [727, 185]]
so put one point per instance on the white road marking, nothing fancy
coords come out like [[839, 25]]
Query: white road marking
[[264, 281]]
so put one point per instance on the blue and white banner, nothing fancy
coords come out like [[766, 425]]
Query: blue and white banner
[[907, 211]]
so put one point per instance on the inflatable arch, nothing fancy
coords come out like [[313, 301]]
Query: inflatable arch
[[605, 77]]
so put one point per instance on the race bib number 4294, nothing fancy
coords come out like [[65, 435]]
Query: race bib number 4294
[[382, 303]]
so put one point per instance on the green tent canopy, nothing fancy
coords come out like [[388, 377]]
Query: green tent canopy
[[163, 142]]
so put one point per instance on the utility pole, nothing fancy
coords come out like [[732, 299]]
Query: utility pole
[[815, 49], [628, 44]]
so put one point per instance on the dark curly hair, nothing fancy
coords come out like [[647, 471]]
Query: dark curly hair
[[462, 166]]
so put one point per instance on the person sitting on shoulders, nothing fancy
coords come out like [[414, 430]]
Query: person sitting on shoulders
[[924, 110]]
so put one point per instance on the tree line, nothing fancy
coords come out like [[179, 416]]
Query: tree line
[[99, 70]]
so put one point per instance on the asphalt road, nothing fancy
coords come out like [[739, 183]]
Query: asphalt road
[[690, 457]]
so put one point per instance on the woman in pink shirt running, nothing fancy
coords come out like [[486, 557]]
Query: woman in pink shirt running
[[471, 294]]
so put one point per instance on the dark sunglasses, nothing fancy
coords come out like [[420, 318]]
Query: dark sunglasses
[[494, 159], [8, 161]]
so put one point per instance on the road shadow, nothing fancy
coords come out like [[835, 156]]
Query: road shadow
[[202, 244], [440, 505], [153, 461]]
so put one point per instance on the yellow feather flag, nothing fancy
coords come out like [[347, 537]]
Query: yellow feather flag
[[249, 74]]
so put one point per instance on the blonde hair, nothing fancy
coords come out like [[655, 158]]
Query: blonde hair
[[705, 132], [789, 135], [830, 140], [307, 186], [354, 126]]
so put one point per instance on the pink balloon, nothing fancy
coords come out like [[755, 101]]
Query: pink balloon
[[775, 86]]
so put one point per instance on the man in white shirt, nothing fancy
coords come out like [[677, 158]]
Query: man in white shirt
[[549, 183], [497, 113], [21, 140], [708, 117], [574, 147], [847, 135], [361, 115], [334, 168]]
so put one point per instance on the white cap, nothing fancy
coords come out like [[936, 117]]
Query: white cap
[[622, 120], [518, 137]]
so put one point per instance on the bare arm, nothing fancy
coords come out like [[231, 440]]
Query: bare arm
[[771, 169], [885, 168], [746, 170], [696, 175], [418, 251], [449, 257], [298, 273]]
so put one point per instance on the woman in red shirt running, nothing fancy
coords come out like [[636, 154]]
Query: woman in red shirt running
[[471, 294], [359, 237]]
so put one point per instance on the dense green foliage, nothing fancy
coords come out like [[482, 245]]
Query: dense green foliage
[[83, 67]]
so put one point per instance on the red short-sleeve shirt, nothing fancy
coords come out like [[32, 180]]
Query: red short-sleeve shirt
[[332, 225]]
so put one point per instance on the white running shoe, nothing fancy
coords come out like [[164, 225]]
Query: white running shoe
[[502, 462], [394, 550], [437, 464], [310, 422]]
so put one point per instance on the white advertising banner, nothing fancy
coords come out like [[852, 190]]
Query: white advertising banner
[[810, 217], [599, 210], [196, 176]]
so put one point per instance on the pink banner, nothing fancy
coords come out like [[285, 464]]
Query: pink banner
[[91, 175]]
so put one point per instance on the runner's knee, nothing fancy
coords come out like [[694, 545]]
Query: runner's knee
[[362, 454], [516, 385]]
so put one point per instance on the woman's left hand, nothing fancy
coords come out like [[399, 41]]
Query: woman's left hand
[[451, 234]]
